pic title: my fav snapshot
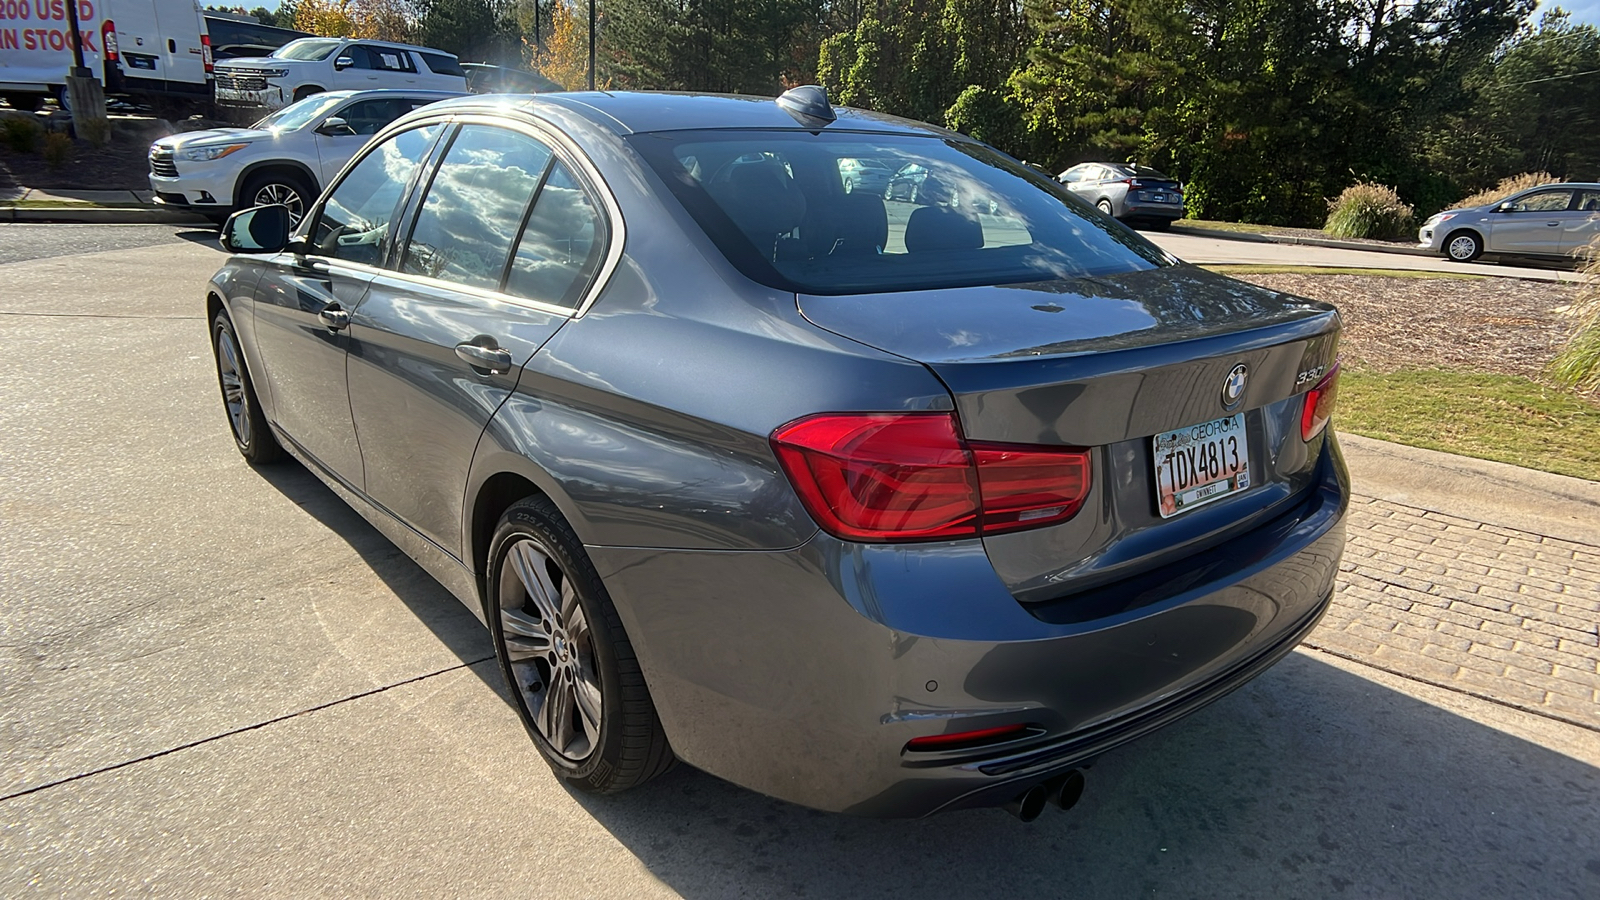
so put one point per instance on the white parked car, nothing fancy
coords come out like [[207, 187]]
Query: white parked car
[[285, 158], [309, 66]]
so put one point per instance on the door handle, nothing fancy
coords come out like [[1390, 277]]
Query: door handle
[[334, 317], [479, 356]]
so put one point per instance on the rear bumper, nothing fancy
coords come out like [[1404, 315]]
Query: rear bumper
[[802, 674]]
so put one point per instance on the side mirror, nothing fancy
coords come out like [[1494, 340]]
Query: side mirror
[[342, 63], [1507, 206], [264, 229], [333, 126]]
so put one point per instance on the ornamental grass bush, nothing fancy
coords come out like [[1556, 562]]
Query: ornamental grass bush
[[57, 149], [1506, 188], [20, 133], [1367, 210], [1578, 364]]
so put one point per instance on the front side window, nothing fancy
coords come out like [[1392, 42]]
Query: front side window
[[954, 213], [475, 206], [354, 222], [369, 116], [1543, 201], [384, 59]]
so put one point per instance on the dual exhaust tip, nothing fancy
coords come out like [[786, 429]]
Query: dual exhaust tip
[[1063, 790]]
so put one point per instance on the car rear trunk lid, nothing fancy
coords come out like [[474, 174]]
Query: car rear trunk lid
[[1107, 363]]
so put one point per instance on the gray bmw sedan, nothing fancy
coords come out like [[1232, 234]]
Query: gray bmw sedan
[[882, 506]]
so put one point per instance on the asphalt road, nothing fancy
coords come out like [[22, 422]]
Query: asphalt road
[[220, 681]]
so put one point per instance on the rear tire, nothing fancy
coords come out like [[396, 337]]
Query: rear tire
[[251, 433], [574, 678], [1105, 207], [1463, 246]]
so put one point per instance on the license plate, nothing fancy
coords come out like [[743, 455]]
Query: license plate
[[1201, 463]]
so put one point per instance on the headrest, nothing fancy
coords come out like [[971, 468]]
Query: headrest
[[762, 200], [939, 228]]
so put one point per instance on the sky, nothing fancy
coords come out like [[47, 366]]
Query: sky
[[1584, 11]]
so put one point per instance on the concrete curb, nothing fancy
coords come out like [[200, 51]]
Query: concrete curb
[[1558, 506], [1251, 237], [101, 215]]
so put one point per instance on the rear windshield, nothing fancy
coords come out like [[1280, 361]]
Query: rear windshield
[[306, 49], [952, 213], [1147, 172]]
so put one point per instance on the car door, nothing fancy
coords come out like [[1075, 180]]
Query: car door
[[1582, 224], [504, 240], [1531, 223], [304, 301]]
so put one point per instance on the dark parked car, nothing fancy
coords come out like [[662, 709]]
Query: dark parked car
[[486, 79], [1127, 191], [878, 513]]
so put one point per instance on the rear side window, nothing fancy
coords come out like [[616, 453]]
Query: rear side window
[[443, 64], [475, 206], [354, 224], [561, 246], [953, 213]]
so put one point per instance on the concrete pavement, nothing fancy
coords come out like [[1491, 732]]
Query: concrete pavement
[[217, 681], [1231, 251]]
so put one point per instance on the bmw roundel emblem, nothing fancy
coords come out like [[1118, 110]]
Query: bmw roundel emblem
[[1233, 386]]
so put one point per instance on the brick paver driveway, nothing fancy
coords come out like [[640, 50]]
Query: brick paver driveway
[[1503, 614]]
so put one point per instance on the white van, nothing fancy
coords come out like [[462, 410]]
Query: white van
[[152, 50]]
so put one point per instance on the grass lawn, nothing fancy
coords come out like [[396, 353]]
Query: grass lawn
[[1228, 226], [1504, 418]]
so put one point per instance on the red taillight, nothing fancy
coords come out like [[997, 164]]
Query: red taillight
[[1319, 404], [205, 51], [911, 477], [1025, 487], [962, 739], [108, 40]]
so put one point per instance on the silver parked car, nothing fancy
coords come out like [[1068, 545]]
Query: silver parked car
[[1127, 191], [878, 507], [1552, 220]]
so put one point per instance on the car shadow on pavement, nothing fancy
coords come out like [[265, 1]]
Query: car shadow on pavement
[[1309, 782], [434, 606]]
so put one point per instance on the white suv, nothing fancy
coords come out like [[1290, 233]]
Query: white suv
[[285, 158], [309, 66]]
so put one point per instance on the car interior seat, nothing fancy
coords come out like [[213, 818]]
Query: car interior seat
[[763, 201], [937, 229]]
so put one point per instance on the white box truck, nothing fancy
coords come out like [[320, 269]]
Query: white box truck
[[151, 50]]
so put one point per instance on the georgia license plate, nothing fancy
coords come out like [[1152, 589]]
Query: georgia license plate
[[1201, 463]]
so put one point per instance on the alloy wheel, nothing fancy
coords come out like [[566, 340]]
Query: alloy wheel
[[276, 193], [1463, 247], [233, 392], [548, 643]]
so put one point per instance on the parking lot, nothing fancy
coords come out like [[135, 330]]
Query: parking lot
[[220, 681]]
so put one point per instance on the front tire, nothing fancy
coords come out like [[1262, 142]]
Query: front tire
[[277, 188], [251, 433], [1463, 246], [573, 675]]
